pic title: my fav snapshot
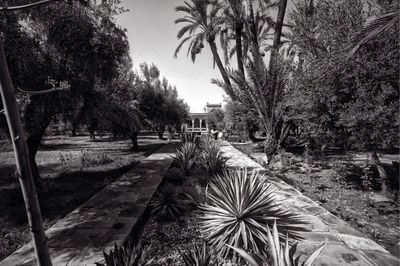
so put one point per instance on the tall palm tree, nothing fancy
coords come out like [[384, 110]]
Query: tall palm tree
[[202, 24]]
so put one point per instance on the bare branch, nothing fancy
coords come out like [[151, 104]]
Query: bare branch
[[63, 86], [14, 8]]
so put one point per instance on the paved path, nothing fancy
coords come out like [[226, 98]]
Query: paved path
[[344, 244], [107, 218]]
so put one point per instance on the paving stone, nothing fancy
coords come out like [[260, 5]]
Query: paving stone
[[380, 258], [106, 218], [361, 243], [344, 244]]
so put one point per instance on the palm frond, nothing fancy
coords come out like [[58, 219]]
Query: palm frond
[[373, 30]]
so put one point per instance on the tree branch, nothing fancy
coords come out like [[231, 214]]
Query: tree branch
[[14, 8]]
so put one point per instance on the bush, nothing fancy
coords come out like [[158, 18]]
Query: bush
[[240, 208], [200, 256], [169, 203], [186, 156], [278, 254], [174, 175], [129, 255], [212, 157]]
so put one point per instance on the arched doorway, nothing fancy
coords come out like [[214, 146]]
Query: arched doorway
[[196, 123]]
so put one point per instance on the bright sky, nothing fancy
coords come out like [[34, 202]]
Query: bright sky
[[152, 38]]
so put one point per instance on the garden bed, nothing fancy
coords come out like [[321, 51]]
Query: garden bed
[[337, 185]]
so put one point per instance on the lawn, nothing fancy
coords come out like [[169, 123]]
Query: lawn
[[73, 170]]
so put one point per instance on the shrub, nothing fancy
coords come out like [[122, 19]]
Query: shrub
[[127, 255], [186, 156], [174, 175], [212, 157], [200, 256], [169, 203], [278, 254], [239, 209]]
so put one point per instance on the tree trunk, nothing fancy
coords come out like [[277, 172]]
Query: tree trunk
[[134, 138], [382, 172], [278, 32], [160, 133], [239, 50], [222, 70], [23, 164], [73, 132]]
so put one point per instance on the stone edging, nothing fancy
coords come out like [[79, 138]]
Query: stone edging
[[344, 244], [107, 218]]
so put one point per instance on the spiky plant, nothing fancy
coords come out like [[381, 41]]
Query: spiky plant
[[169, 203], [212, 157], [186, 156], [174, 175], [277, 253], [240, 207], [190, 137], [127, 255], [199, 256]]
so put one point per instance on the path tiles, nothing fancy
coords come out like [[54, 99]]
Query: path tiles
[[107, 218], [344, 244]]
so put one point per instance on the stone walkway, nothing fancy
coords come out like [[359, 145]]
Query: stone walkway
[[107, 218], [344, 244]]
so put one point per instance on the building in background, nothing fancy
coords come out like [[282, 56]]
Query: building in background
[[197, 122]]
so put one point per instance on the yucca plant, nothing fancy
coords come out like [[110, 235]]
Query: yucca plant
[[174, 175], [277, 253], [186, 156], [212, 157], [190, 137], [127, 255], [199, 256], [239, 208], [169, 203]]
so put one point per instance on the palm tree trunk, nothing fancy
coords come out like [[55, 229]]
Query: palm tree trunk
[[24, 168], [278, 31], [239, 50], [222, 70]]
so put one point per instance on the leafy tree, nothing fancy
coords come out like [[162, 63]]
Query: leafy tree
[[216, 118], [45, 45], [159, 102], [355, 99]]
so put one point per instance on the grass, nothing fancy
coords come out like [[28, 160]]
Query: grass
[[68, 185]]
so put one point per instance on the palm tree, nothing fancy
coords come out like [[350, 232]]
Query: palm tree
[[374, 29], [203, 24]]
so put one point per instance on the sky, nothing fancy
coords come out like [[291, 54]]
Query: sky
[[152, 37]]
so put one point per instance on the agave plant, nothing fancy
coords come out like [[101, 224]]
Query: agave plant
[[212, 157], [278, 254], [169, 203], [174, 175], [240, 207], [186, 156], [200, 256], [127, 255], [190, 137]]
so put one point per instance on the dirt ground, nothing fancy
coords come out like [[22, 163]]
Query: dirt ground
[[58, 155], [336, 183]]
